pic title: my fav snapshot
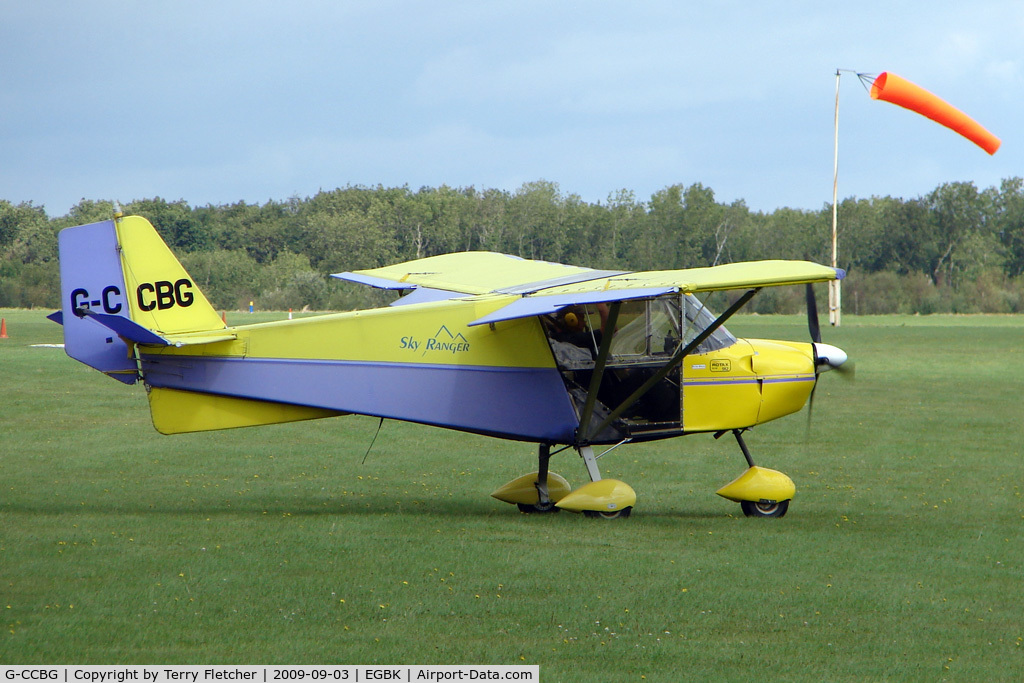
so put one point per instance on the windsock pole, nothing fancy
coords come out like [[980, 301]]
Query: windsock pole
[[834, 296]]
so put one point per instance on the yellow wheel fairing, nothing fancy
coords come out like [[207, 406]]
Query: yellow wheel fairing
[[604, 495], [759, 485], [523, 490]]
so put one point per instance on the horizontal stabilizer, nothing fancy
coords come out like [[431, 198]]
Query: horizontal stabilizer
[[124, 327], [133, 332], [191, 338]]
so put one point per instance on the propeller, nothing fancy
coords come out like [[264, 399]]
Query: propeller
[[826, 356], [812, 316]]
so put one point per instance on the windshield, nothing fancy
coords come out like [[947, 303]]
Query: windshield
[[655, 327], [646, 330], [698, 318]]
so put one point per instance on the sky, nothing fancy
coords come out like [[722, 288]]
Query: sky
[[227, 101]]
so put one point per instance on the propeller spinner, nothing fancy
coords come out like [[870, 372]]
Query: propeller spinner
[[828, 357]]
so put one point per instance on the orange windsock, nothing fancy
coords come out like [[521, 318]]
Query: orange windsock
[[889, 87]]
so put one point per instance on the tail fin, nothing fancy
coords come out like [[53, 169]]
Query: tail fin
[[120, 283]]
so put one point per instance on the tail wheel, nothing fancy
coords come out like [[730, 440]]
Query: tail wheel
[[751, 509]]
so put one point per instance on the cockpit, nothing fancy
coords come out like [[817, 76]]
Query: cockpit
[[646, 335]]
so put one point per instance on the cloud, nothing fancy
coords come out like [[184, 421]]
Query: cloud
[[255, 100]]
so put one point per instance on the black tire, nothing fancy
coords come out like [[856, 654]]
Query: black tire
[[766, 510], [617, 514], [537, 508]]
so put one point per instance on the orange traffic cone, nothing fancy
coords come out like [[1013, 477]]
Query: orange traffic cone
[[3, 328]]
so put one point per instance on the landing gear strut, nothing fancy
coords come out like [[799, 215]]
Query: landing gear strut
[[544, 503], [538, 491]]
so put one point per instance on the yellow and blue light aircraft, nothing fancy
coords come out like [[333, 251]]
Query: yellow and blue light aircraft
[[561, 356]]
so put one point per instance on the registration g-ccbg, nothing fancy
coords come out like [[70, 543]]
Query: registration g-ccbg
[[310, 675], [31, 674]]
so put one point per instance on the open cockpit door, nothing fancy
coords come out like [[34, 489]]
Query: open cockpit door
[[647, 337]]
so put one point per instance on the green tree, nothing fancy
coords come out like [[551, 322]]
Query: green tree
[[958, 212], [262, 231], [1009, 223], [624, 214], [534, 217], [487, 221], [230, 279], [86, 211], [16, 221], [437, 221], [348, 241]]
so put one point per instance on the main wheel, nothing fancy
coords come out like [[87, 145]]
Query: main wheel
[[617, 514], [751, 509], [535, 508]]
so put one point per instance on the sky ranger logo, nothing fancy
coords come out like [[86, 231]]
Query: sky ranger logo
[[443, 341]]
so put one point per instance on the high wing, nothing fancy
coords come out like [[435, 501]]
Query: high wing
[[545, 287], [729, 276], [642, 285], [474, 273]]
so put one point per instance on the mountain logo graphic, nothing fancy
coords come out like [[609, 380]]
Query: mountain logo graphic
[[446, 342]]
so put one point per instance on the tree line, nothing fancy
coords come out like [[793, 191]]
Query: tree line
[[957, 249]]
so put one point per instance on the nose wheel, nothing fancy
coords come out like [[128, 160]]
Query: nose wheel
[[761, 492], [752, 509]]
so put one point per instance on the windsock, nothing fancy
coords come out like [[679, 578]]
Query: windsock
[[889, 87]]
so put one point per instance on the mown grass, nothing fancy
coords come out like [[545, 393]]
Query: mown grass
[[901, 557]]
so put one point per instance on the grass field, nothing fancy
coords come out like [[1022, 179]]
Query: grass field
[[901, 557]]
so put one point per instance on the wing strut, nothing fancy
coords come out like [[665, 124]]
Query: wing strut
[[672, 362]]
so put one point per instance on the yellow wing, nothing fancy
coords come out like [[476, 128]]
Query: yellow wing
[[643, 285], [474, 272], [743, 275], [545, 287]]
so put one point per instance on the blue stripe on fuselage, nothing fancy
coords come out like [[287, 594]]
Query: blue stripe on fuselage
[[530, 404]]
